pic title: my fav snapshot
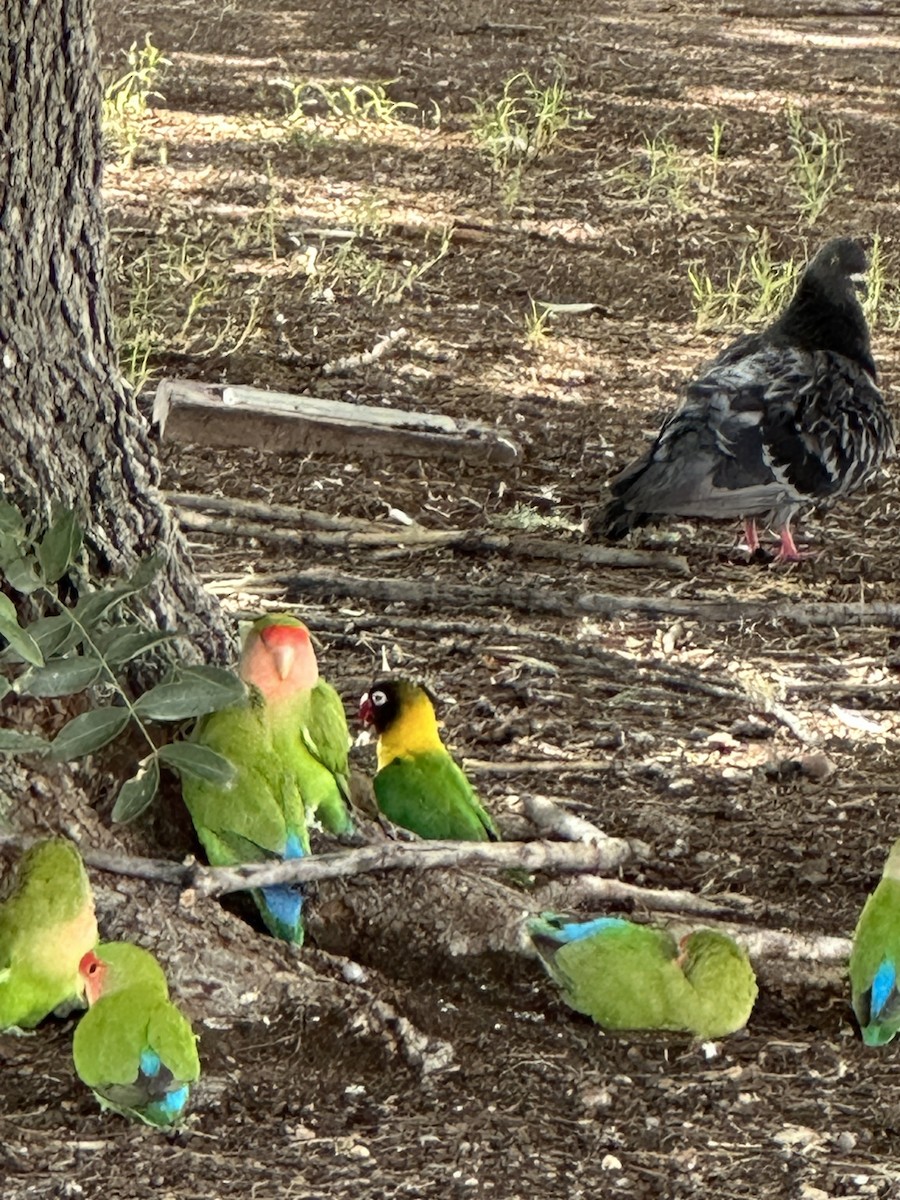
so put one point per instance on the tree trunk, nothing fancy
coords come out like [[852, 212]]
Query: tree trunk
[[71, 435]]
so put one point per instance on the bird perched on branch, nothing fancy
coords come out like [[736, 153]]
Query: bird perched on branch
[[628, 976], [47, 923], [875, 958], [418, 785], [133, 1047], [781, 419]]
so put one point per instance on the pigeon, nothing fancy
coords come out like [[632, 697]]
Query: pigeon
[[784, 418]]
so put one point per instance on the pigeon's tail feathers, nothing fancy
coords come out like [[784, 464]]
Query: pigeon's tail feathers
[[613, 521]]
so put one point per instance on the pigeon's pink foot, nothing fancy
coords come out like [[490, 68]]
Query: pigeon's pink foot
[[751, 537], [788, 552]]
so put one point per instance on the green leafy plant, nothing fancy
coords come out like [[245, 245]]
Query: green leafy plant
[[819, 162], [523, 122], [662, 172], [166, 292], [351, 268], [881, 303], [89, 644], [356, 103], [125, 99], [754, 291]]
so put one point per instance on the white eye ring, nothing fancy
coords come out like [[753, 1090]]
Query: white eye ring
[[378, 698]]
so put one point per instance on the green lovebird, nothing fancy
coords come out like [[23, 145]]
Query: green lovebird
[[47, 923], [133, 1047], [629, 976], [875, 957], [418, 785], [260, 815], [279, 659]]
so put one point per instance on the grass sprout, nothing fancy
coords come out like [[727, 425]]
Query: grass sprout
[[126, 99], [754, 291], [818, 165], [523, 122]]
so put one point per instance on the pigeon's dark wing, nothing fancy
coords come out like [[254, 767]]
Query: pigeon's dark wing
[[763, 430], [834, 431]]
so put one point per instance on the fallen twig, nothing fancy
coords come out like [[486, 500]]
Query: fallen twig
[[376, 534], [442, 595], [551, 818], [364, 359]]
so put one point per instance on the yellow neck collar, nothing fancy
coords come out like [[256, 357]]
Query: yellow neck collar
[[415, 731]]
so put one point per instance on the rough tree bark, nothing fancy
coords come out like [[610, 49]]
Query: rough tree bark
[[71, 435]]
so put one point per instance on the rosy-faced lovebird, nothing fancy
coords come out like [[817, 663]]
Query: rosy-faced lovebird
[[629, 976], [262, 813], [133, 1047], [418, 785], [47, 923], [279, 659], [875, 958]]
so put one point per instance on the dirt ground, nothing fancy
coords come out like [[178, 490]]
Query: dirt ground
[[686, 732]]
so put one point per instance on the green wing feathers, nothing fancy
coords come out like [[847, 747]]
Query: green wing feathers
[[630, 977], [47, 924], [325, 736], [429, 794], [253, 816], [874, 962]]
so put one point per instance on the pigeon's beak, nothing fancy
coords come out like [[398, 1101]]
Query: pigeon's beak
[[859, 283]]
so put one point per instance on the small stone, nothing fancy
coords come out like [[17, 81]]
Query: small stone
[[353, 972], [610, 1163], [817, 766], [595, 1099], [845, 1141], [720, 740]]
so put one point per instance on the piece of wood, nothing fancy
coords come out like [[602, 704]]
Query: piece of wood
[[212, 414], [370, 535], [432, 594]]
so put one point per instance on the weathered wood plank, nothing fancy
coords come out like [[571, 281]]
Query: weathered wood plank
[[212, 414]]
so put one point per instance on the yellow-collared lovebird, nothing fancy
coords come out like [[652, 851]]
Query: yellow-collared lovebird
[[133, 1047], [418, 785], [47, 923], [875, 958], [629, 977]]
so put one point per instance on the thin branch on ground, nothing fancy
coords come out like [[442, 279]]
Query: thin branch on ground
[[373, 535], [322, 581], [350, 362], [550, 818]]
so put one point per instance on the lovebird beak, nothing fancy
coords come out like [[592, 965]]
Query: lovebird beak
[[283, 657]]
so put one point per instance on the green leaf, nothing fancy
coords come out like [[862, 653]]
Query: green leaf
[[59, 547], [22, 574], [5, 686], [199, 690], [12, 521], [147, 570], [200, 762], [13, 741], [23, 643], [137, 793], [60, 677], [87, 733], [125, 642], [54, 635], [94, 605]]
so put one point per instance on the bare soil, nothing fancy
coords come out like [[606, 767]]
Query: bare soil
[[297, 1101]]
